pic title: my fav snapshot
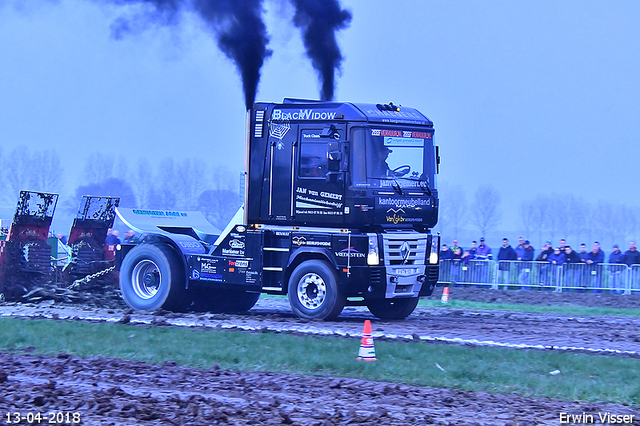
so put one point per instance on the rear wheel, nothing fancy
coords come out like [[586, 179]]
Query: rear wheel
[[153, 277], [227, 301], [392, 309], [313, 291]]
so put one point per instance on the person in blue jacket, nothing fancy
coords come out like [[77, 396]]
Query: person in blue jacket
[[616, 266], [445, 253], [595, 257], [525, 266], [506, 255]]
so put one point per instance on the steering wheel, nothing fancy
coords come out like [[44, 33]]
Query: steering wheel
[[401, 171]]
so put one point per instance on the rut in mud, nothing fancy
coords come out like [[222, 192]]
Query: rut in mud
[[116, 392]]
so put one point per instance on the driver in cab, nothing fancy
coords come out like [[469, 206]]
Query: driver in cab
[[380, 166]]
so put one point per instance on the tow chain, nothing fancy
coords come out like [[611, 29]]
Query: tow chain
[[88, 278]]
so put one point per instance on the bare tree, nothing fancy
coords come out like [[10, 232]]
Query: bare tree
[[143, 183], [629, 222], [570, 213], [47, 171], [166, 195], [486, 210], [191, 180], [17, 173], [455, 208], [527, 216], [98, 168]]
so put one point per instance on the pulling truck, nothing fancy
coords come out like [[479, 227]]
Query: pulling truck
[[340, 199]]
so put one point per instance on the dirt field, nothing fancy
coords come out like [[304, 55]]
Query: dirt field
[[116, 392]]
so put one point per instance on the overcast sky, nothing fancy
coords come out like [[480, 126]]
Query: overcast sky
[[531, 96]]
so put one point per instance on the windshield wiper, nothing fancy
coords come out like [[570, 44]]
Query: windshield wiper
[[395, 185], [423, 184]]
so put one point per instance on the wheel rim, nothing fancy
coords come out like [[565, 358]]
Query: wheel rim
[[145, 279], [312, 291]]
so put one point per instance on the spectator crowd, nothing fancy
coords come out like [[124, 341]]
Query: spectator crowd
[[583, 264]]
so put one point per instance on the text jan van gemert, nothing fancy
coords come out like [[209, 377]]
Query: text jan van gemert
[[604, 418]]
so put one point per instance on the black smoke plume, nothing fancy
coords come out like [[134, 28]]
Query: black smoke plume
[[242, 36], [319, 20], [237, 25]]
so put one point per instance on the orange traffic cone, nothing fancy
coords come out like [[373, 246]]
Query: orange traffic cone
[[445, 295], [367, 351]]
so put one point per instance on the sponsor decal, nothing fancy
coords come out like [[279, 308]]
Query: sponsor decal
[[303, 114], [319, 212], [409, 116], [306, 135], [405, 202], [395, 219], [195, 275], [159, 213], [395, 216], [278, 130], [302, 241], [321, 203], [210, 277], [349, 252], [282, 233], [239, 263], [207, 267], [240, 228], [189, 244], [319, 243], [236, 244], [232, 252]]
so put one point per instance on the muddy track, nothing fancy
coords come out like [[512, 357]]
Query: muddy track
[[116, 392], [603, 334]]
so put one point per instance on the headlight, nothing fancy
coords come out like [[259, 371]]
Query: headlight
[[435, 250], [373, 257]]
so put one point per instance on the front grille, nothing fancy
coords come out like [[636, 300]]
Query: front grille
[[394, 253]]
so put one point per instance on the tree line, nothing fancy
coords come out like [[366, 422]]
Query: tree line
[[176, 184], [545, 216]]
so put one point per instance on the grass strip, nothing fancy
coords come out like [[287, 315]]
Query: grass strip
[[556, 309], [524, 372]]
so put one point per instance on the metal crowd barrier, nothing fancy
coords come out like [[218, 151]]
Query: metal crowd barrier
[[576, 277]]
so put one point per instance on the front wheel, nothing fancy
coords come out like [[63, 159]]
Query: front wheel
[[392, 309], [313, 291], [153, 277]]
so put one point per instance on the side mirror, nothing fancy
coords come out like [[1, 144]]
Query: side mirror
[[332, 177], [333, 151], [334, 156]]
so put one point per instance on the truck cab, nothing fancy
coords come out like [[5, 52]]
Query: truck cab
[[340, 199]]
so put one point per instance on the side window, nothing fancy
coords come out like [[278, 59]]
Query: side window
[[313, 159], [313, 155]]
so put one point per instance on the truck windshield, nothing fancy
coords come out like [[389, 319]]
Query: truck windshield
[[392, 156]]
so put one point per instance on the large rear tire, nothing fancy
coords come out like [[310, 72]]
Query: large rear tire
[[224, 301], [313, 291], [153, 277], [392, 309]]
